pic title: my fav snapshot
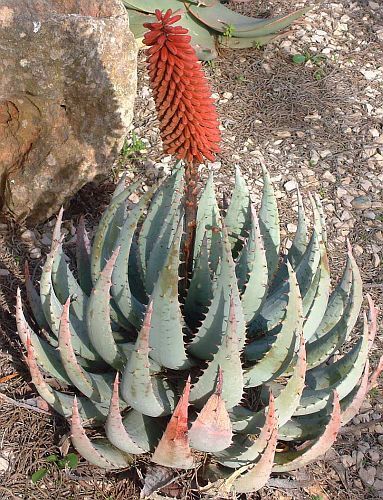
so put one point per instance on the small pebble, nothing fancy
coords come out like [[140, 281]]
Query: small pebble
[[367, 475], [347, 461], [373, 455], [28, 235], [358, 250], [35, 253], [291, 228], [369, 214], [361, 203], [290, 186], [328, 176]]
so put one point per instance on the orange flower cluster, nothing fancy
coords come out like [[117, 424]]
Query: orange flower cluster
[[188, 118]]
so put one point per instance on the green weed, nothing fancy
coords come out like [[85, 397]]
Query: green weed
[[69, 461]]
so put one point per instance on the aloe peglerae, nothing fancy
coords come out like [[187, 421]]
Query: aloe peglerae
[[211, 24], [228, 357], [128, 352]]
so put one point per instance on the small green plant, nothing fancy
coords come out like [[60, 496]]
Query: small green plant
[[69, 461], [374, 392], [303, 58], [229, 31], [132, 146], [315, 59]]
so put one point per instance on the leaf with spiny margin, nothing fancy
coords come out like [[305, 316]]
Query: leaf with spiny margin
[[96, 387], [65, 285], [251, 477], [202, 37], [124, 297], [158, 255], [158, 212], [291, 460], [297, 249], [62, 403], [307, 427], [342, 375], [83, 252], [273, 309], [47, 356], [209, 336], [228, 359], [211, 431], [348, 290], [200, 292], [322, 216], [143, 391], [300, 240], [269, 224], [168, 347], [218, 17], [35, 301], [103, 244], [304, 427], [53, 309], [352, 403], [98, 452], [319, 304], [115, 430], [238, 216], [209, 223], [255, 477], [286, 402], [98, 317], [320, 349], [252, 271], [245, 43], [276, 360], [144, 431], [245, 449], [173, 450], [308, 265]]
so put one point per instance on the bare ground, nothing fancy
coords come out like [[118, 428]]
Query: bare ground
[[319, 123]]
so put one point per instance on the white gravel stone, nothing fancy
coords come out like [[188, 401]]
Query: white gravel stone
[[328, 176], [358, 250], [290, 186], [28, 235], [291, 228]]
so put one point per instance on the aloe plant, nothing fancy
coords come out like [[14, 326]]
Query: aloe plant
[[235, 366], [209, 22]]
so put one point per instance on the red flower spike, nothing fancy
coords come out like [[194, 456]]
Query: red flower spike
[[187, 114]]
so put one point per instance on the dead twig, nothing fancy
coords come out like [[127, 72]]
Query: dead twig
[[364, 425], [23, 404]]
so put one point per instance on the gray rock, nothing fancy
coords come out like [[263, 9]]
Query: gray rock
[[367, 475], [373, 455], [369, 214], [361, 203], [67, 87]]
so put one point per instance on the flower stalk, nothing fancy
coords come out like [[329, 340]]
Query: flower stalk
[[185, 108]]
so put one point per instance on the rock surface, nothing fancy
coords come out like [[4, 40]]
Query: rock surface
[[66, 99]]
